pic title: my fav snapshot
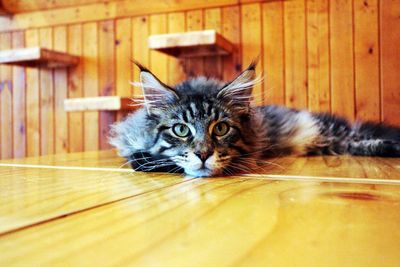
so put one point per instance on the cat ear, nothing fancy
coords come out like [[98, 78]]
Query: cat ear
[[239, 90], [155, 92]]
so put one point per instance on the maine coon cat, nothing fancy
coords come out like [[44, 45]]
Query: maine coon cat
[[206, 127]]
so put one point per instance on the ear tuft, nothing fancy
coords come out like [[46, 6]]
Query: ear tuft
[[155, 92], [253, 63], [239, 90], [140, 66]]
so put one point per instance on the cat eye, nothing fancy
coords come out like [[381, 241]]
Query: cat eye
[[221, 128], [181, 130]]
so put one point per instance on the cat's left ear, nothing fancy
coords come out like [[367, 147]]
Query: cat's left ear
[[155, 92], [240, 88]]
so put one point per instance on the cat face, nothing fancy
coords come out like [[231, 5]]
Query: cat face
[[201, 125], [201, 137]]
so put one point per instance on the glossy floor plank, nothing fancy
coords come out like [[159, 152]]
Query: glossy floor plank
[[82, 209], [319, 166], [93, 159], [40, 194], [223, 222], [29, 195], [339, 166]]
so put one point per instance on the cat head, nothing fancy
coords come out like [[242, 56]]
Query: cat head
[[202, 125]]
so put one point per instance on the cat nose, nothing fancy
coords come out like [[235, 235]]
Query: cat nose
[[203, 155]]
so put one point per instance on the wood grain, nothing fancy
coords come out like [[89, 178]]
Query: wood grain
[[318, 55], [61, 80], [158, 61], [390, 60], [106, 77], [361, 212], [90, 159], [140, 52], [198, 222], [300, 205], [6, 91], [296, 84], [103, 11], [19, 6], [44, 191], [366, 56], [273, 53], [251, 43], [32, 100], [194, 22], [176, 23], [90, 57], [342, 63], [231, 31], [75, 89], [123, 60], [19, 101], [46, 98], [213, 64]]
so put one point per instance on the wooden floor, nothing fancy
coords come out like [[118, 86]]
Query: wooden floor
[[85, 210]]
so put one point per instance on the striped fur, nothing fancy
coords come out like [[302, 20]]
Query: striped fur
[[148, 140]]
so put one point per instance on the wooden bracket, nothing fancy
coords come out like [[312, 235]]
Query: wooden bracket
[[37, 57], [191, 44]]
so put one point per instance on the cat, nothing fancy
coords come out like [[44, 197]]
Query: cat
[[205, 127]]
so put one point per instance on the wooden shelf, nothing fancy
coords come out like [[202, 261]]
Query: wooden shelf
[[105, 103], [37, 57], [191, 44]]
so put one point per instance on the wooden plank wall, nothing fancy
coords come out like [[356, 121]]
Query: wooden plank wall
[[339, 56]]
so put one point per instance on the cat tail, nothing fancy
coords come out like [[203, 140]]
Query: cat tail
[[374, 139]]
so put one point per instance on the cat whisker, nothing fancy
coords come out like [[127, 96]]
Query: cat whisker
[[254, 164], [272, 88], [158, 162], [150, 168], [227, 170], [273, 164], [254, 169], [151, 164], [259, 151], [174, 170], [136, 105], [240, 168], [126, 163], [257, 161], [136, 84]]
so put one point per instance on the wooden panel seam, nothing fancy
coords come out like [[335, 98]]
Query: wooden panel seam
[[104, 11]]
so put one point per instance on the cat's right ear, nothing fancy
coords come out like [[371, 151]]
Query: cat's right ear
[[155, 92], [240, 89]]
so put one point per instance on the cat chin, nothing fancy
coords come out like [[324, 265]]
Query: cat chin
[[201, 173]]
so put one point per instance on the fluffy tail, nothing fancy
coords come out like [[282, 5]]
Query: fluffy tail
[[338, 136], [374, 139]]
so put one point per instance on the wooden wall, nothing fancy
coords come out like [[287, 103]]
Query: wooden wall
[[341, 56]]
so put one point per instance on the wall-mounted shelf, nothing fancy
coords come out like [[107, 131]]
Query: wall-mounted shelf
[[100, 103], [191, 44], [37, 57]]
